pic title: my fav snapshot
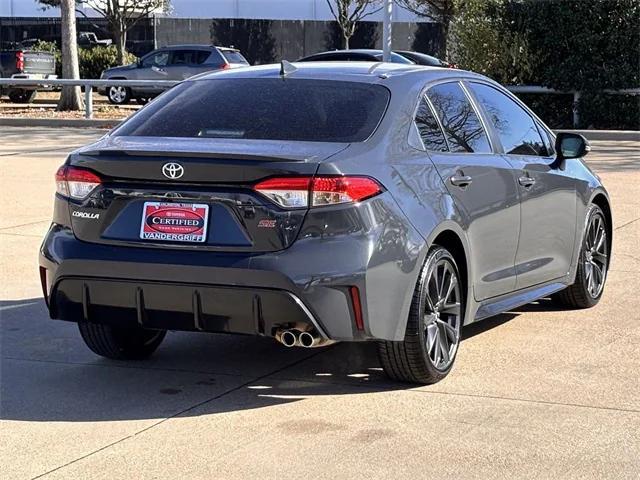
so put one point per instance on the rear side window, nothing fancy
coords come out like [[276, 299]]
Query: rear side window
[[184, 57], [264, 109], [202, 56], [461, 125], [234, 57], [430, 132], [518, 132]]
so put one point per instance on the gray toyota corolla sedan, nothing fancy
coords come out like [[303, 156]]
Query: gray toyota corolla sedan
[[324, 202]]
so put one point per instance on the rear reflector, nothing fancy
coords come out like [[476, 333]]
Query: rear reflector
[[297, 192], [75, 182], [354, 292], [20, 61], [45, 284]]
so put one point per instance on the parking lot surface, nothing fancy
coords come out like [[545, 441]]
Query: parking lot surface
[[535, 393]]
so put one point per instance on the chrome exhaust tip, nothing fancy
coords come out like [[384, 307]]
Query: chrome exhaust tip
[[289, 338], [307, 340]]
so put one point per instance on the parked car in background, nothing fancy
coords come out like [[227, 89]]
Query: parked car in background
[[26, 64], [424, 59], [372, 55], [90, 40], [355, 55], [177, 63], [325, 202]]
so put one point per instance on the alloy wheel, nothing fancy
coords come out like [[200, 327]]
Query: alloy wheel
[[595, 255], [442, 316], [117, 94]]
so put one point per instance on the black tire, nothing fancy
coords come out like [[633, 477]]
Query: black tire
[[119, 95], [577, 295], [118, 343], [22, 96], [409, 360]]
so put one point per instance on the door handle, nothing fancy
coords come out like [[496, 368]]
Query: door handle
[[460, 180], [526, 181]]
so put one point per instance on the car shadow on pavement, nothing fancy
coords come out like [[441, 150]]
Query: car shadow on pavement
[[47, 374]]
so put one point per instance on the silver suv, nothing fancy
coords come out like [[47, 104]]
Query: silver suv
[[177, 62]]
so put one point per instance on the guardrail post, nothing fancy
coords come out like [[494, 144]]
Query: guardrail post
[[576, 113], [88, 101]]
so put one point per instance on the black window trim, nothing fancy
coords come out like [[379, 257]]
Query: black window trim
[[479, 113]]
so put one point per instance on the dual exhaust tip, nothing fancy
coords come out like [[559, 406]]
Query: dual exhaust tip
[[297, 338]]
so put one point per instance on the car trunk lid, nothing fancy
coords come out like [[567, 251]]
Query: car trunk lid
[[213, 178]]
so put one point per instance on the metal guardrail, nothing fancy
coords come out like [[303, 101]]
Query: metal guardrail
[[575, 93], [89, 84]]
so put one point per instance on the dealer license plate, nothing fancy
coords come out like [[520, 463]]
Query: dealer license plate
[[174, 222]]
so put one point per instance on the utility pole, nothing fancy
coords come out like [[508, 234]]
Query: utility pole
[[387, 18]]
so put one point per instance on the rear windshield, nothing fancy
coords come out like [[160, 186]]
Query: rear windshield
[[234, 57], [263, 109]]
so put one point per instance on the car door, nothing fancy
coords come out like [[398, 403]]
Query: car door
[[184, 64], [480, 181], [153, 67], [548, 199]]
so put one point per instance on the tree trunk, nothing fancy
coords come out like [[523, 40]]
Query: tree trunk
[[120, 36], [71, 98], [346, 42]]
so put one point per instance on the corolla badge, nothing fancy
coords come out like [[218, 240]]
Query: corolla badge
[[172, 170]]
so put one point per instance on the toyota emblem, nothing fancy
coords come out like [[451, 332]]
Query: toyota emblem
[[172, 170]]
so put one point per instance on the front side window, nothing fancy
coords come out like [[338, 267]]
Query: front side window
[[462, 127], [159, 59], [515, 127], [430, 132]]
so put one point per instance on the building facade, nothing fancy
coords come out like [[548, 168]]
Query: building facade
[[317, 10]]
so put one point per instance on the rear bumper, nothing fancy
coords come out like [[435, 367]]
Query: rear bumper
[[371, 247], [180, 306], [33, 76]]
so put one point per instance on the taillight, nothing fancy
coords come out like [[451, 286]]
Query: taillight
[[75, 182], [288, 192], [19, 61], [226, 66], [300, 192]]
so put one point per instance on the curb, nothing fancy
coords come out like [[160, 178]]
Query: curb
[[58, 122]]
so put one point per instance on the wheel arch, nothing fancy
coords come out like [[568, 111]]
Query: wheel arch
[[451, 236], [602, 201]]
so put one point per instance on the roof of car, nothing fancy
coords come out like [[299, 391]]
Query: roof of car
[[197, 46], [367, 72]]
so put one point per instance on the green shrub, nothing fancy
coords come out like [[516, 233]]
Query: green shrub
[[556, 110], [92, 60], [588, 46]]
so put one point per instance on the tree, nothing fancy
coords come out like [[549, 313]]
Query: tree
[[349, 12], [440, 11], [70, 99], [121, 15]]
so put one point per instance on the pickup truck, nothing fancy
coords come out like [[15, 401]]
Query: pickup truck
[[28, 65], [90, 40]]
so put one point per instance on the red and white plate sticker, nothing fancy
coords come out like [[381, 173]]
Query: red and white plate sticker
[[174, 222]]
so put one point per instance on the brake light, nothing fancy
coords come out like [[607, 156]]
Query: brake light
[[75, 182], [226, 66], [300, 192], [19, 61]]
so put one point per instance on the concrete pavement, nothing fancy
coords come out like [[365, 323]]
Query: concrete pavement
[[536, 393]]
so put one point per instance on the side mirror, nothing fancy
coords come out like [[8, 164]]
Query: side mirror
[[139, 62], [571, 145]]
